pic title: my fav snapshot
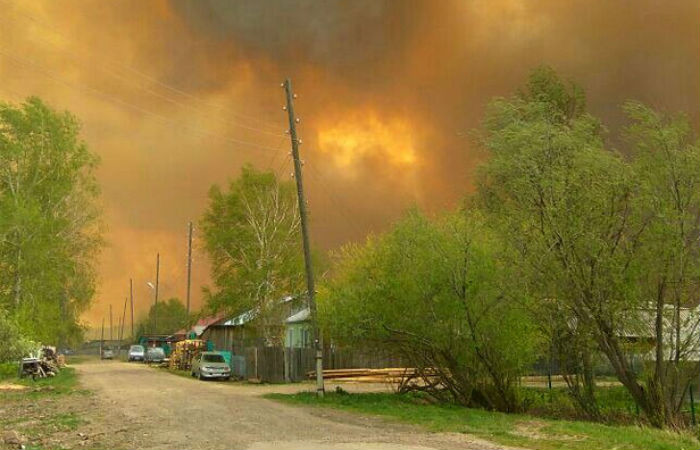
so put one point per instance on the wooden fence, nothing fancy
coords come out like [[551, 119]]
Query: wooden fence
[[278, 364]]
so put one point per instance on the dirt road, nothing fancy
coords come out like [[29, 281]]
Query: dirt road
[[140, 407]]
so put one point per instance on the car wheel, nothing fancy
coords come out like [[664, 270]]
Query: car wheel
[[199, 376], [226, 378]]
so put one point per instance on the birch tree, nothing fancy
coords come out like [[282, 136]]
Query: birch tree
[[252, 237], [50, 230]]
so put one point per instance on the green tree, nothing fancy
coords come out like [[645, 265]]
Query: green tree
[[578, 217], [251, 235], [436, 293], [49, 221], [666, 160], [165, 318], [14, 345]]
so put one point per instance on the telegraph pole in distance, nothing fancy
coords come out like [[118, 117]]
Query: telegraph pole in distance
[[102, 336], [111, 337], [121, 328], [189, 264], [320, 390], [131, 299], [155, 309]]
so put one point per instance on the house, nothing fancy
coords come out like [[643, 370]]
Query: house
[[236, 333], [298, 330], [643, 334]]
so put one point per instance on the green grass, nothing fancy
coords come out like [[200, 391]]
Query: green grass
[[42, 410], [507, 429]]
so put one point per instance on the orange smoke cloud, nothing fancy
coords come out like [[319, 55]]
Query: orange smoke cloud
[[176, 95]]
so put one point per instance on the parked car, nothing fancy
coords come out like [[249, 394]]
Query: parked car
[[136, 353], [154, 355], [107, 353], [210, 365]]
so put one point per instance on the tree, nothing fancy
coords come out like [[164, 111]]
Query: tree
[[165, 318], [666, 161], [49, 221], [436, 293], [576, 215], [251, 235], [14, 345]]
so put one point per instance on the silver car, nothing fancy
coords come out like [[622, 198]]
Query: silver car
[[154, 355], [136, 353], [210, 365], [107, 353]]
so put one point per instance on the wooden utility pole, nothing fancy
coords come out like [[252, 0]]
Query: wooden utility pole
[[320, 390], [155, 309], [131, 299], [111, 336], [121, 329], [189, 264], [102, 336]]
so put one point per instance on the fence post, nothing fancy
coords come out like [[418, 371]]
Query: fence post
[[692, 405], [256, 362]]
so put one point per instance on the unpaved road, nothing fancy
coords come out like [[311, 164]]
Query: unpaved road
[[140, 407]]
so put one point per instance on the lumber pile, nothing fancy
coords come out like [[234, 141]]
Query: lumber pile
[[388, 375], [185, 351]]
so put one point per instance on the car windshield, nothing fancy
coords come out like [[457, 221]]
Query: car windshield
[[136, 348], [213, 358]]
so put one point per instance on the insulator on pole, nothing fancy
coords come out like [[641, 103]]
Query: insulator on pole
[[284, 108], [297, 120], [294, 95]]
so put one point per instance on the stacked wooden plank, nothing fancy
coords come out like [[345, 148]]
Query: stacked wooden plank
[[388, 375]]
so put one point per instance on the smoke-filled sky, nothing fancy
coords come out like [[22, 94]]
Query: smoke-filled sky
[[176, 95]]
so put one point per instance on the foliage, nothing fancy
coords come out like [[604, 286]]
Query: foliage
[[165, 318], [251, 235], [49, 221], [436, 292], [516, 430], [587, 228], [14, 344]]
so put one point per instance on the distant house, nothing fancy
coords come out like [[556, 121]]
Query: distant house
[[643, 335], [299, 332], [234, 334]]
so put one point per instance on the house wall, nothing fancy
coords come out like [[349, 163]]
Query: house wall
[[298, 335]]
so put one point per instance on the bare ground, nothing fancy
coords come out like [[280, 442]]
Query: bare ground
[[136, 407]]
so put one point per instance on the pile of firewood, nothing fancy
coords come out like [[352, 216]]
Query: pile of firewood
[[185, 351], [45, 365]]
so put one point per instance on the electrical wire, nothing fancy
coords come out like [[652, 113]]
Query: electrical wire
[[96, 92], [156, 81]]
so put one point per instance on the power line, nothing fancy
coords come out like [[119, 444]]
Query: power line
[[333, 199], [157, 81], [96, 92]]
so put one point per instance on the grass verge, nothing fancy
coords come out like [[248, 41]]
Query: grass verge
[[47, 406], [507, 429]]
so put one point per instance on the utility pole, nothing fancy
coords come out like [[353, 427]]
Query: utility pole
[[320, 390], [131, 299], [102, 336], [111, 337], [121, 329], [155, 309], [189, 264]]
